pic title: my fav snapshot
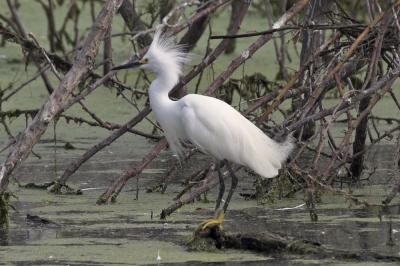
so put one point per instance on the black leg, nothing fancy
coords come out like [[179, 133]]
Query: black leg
[[221, 184], [233, 185]]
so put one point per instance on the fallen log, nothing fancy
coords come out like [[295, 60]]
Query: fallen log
[[214, 237]]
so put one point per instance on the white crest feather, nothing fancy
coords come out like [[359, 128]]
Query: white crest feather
[[163, 48]]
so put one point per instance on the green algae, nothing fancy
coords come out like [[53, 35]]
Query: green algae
[[120, 251], [332, 262], [125, 233], [107, 234]]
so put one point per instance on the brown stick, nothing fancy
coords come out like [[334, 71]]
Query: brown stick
[[133, 21], [357, 164], [295, 77], [209, 182], [63, 65], [211, 8], [361, 37], [195, 30], [107, 52], [22, 32], [73, 166], [57, 100], [120, 182], [384, 84], [16, 20], [262, 40]]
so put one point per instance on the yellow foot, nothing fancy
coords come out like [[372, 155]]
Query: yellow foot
[[217, 220]]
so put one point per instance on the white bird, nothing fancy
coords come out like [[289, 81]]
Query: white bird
[[212, 125]]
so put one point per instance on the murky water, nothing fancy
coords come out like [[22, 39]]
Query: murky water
[[79, 232]]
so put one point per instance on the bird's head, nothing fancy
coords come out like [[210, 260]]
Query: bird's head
[[163, 56]]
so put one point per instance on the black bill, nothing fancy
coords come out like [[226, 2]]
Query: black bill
[[132, 64]]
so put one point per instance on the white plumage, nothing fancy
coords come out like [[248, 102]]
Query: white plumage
[[217, 128], [211, 124]]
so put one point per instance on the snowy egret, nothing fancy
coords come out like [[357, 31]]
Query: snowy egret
[[212, 125]]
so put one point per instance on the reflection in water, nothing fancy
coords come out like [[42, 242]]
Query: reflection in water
[[4, 237]]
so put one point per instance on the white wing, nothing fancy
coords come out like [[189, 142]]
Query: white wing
[[218, 129]]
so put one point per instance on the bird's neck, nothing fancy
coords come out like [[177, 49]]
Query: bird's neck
[[160, 88]]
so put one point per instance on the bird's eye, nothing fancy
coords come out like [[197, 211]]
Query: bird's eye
[[144, 61]]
